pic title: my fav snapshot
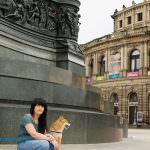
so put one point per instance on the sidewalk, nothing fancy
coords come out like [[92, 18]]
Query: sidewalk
[[138, 139]]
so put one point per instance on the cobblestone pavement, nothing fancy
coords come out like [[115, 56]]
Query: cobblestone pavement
[[138, 139]]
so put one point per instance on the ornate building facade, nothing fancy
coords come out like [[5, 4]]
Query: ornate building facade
[[119, 63]]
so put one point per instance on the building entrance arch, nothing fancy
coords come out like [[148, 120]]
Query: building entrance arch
[[133, 103], [115, 100]]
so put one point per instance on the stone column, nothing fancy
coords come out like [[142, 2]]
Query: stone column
[[124, 21], [94, 66], [148, 54], [141, 59], [108, 58], [133, 18], [145, 59], [106, 63], [122, 60], [98, 64], [87, 66], [145, 15], [126, 59]]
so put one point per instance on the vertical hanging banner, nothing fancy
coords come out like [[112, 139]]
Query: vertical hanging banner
[[114, 63], [114, 66]]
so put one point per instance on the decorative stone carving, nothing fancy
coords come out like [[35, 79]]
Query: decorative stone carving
[[51, 18], [45, 16], [7, 7]]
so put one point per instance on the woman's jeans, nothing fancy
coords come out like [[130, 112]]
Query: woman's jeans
[[35, 145]]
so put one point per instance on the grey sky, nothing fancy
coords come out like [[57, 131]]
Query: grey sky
[[96, 18]]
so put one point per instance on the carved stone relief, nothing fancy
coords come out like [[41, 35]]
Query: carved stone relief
[[42, 15]]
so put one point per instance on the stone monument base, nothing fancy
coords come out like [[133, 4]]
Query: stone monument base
[[40, 57]]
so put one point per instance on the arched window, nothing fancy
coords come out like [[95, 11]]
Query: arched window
[[114, 98], [133, 97], [102, 66], [135, 61], [91, 66]]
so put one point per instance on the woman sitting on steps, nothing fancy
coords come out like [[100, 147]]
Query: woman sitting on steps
[[32, 129]]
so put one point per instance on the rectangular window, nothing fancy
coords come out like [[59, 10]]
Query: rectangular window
[[129, 20], [139, 16], [120, 24]]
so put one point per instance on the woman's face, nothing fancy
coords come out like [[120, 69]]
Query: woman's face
[[38, 109]]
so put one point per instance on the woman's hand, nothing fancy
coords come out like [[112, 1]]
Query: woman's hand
[[31, 130], [51, 138]]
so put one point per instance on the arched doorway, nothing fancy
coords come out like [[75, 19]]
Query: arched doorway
[[115, 100], [133, 102]]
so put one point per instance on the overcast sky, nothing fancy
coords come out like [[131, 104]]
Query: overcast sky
[[96, 18]]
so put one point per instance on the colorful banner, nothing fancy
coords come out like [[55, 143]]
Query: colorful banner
[[114, 76], [100, 78], [114, 63], [88, 80], [133, 74]]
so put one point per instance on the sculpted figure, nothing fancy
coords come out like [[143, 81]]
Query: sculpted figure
[[35, 14], [17, 15], [11, 6], [69, 20], [51, 20], [61, 23], [3, 7], [27, 3], [26, 8], [72, 20], [43, 16], [7, 7], [76, 24]]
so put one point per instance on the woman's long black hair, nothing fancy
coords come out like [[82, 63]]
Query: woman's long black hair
[[42, 122]]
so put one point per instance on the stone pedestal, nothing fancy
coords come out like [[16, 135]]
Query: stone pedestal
[[44, 60]]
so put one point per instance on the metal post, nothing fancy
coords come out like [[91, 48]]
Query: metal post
[[125, 128]]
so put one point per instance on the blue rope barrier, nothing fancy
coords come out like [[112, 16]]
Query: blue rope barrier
[[8, 139]]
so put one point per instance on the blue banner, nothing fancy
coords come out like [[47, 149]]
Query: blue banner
[[114, 76]]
